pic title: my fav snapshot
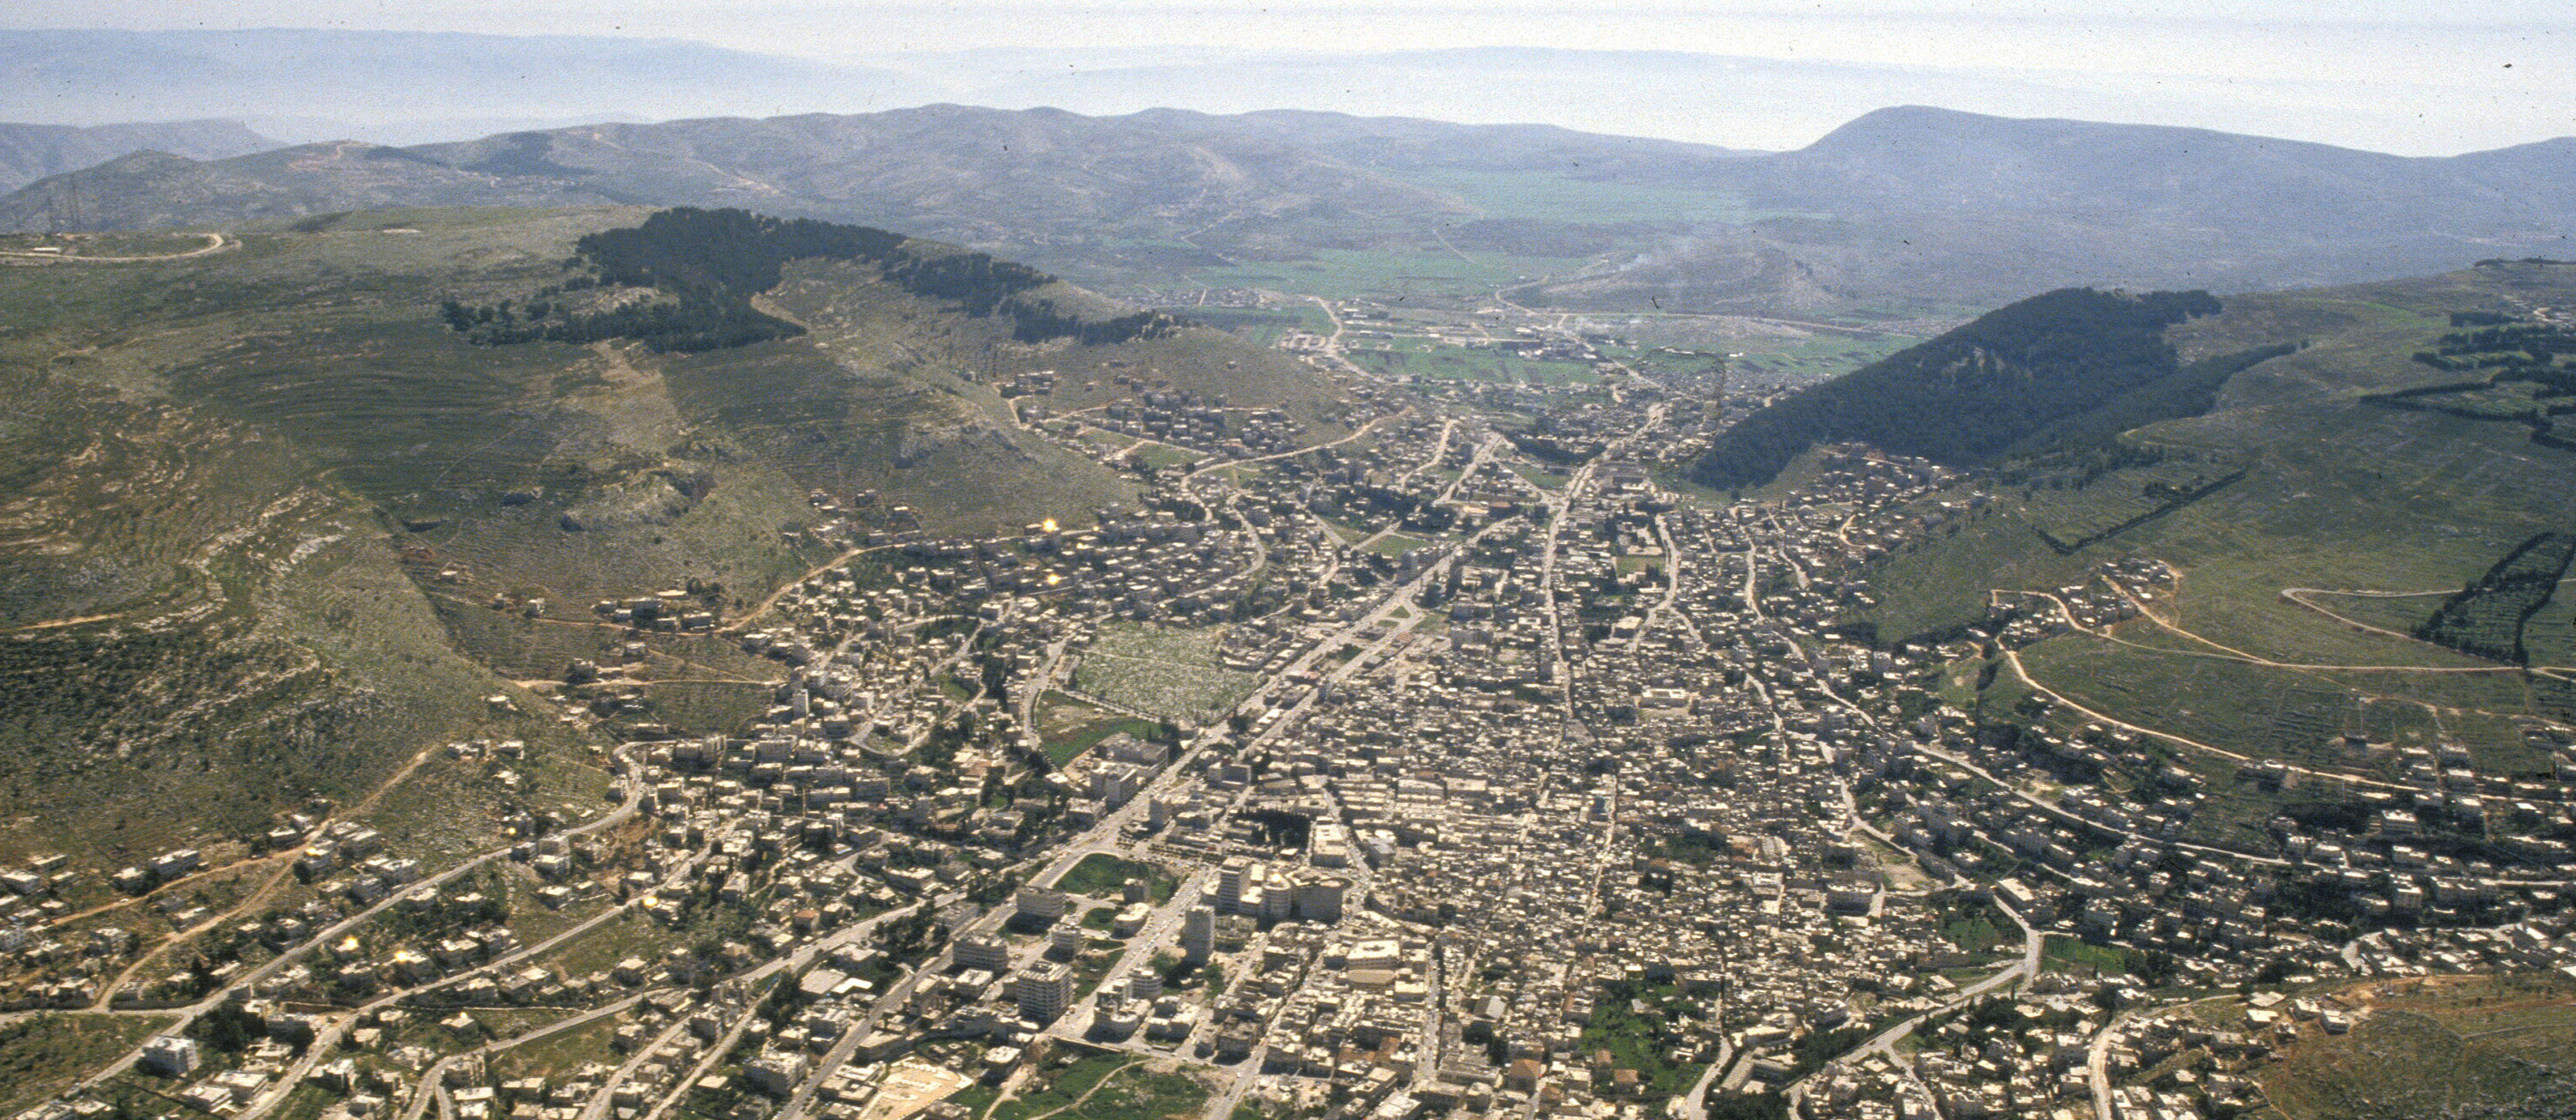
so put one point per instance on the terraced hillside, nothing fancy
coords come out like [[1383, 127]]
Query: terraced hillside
[[271, 526], [2306, 560]]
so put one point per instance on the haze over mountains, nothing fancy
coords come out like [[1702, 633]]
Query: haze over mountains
[[406, 87], [29, 152], [1903, 208]]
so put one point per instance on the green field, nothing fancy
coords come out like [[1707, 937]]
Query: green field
[[1056, 1091], [1101, 874], [2082, 958], [1823, 354], [1260, 326], [1451, 363], [1069, 727]]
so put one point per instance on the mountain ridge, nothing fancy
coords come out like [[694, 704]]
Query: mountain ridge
[[1910, 206]]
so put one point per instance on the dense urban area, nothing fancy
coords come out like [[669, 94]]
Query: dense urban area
[[1471, 763]]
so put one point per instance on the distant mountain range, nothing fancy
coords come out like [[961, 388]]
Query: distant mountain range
[[1901, 209], [1916, 201], [412, 87], [1096, 197], [29, 152]]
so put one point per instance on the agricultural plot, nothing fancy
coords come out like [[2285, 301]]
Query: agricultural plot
[[2075, 517], [2486, 618], [1175, 674], [1548, 196], [1412, 274], [2549, 635], [1261, 326], [1814, 358], [2250, 709], [1450, 363], [2400, 614]]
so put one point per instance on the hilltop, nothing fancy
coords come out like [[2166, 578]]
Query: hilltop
[[295, 523]]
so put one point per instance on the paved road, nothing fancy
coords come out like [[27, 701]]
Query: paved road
[[1884, 1042]]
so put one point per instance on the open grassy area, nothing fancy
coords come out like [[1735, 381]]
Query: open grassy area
[[558, 1054], [1053, 1091], [1260, 326], [2075, 955], [1976, 928], [42, 1054], [1068, 728], [2446, 1046], [1100, 875], [1800, 361], [1396, 544], [1143, 1093]]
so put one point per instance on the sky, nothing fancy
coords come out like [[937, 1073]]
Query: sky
[[2414, 78]]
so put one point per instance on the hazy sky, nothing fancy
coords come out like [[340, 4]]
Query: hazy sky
[[2418, 78]]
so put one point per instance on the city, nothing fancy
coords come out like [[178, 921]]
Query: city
[[1440, 765]]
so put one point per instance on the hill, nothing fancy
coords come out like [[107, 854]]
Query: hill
[[277, 524], [29, 152], [2070, 360], [2350, 540]]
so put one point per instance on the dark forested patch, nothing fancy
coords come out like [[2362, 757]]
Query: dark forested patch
[[704, 266], [1994, 386]]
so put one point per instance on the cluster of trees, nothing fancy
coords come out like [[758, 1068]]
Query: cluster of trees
[[1039, 320], [1989, 388], [707, 265], [2487, 617], [2513, 349]]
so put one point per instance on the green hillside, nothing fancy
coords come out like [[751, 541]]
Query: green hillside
[[2336, 564], [273, 522], [2036, 372]]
